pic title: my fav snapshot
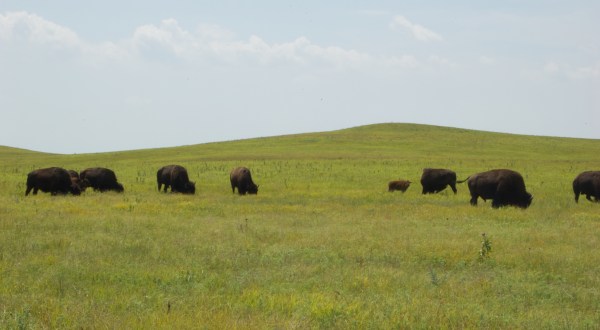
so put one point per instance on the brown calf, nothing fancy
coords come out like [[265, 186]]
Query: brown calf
[[401, 185]]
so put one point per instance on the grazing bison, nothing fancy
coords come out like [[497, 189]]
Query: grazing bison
[[75, 180], [435, 180], [177, 178], [504, 187], [242, 180], [101, 179], [53, 180], [401, 185], [73, 174], [588, 184]]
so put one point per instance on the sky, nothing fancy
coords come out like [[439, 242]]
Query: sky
[[81, 77]]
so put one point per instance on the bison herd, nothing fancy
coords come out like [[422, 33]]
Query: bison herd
[[504, 187], [57, 180]]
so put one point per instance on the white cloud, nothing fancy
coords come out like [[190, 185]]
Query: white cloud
[[218, 44], [214, 32], [418, 32], [169, 41], [25, 28], [16, 25], [592, 71], [564, 70], [168, 35]]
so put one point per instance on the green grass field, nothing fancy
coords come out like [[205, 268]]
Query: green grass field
[[323, 244]]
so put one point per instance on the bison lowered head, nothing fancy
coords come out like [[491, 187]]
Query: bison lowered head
[[83, 184], [189, 187], [525, 200], [119, 187], [253, 189], [75, 189]]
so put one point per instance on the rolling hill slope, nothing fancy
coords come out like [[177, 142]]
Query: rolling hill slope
[[322, 245], [371, 141]]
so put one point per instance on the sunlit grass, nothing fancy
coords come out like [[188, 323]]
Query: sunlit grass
[[323, 244]]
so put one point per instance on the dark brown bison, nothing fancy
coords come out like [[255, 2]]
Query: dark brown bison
[[177, 178], [101, 179], [588, 184], [242, 180], [75, 180], [53, 180], [435, 180], [504, 187], [73, 174], [400, 185]]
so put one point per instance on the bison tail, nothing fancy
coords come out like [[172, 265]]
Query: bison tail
[[463, 180]]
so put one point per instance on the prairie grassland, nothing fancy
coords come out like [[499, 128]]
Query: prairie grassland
[[323, 244]]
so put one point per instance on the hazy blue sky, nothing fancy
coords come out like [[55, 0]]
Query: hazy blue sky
[[79, 76]]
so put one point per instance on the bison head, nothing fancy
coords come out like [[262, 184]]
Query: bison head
[[253, 189], [189, 187], [525, 200], [83, 184], [119, 187], [74, 189]]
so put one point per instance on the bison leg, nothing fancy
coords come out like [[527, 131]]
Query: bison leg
[[588, 197], [28, 190], [232, 187], [453, 186], [474, 200], [503, 200], [35, 190], [159, 186]]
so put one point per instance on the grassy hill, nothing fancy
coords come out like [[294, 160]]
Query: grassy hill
[[322, 245]]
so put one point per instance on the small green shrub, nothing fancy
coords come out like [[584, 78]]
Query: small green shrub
[[486, 247]]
